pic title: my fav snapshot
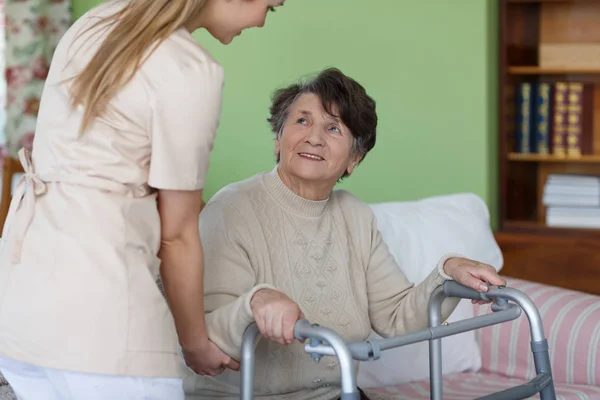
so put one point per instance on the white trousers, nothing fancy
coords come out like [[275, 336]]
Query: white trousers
[[30, 382]]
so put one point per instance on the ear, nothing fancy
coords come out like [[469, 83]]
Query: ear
[[277, 146], [353, 163]]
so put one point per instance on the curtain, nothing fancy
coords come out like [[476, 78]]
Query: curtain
[[32, 31]]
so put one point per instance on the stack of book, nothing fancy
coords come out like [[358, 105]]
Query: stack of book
[[572, 201]]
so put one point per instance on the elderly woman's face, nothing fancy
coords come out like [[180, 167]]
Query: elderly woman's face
[[315, 145]]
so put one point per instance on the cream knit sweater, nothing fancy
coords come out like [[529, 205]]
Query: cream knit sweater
[[328, 256]]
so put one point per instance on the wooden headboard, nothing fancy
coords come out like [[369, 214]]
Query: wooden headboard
[[570, 263], [10, 167]]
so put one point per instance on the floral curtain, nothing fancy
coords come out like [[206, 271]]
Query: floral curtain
[[33, 29]]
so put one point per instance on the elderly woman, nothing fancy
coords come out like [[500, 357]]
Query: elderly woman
[[283, 245]]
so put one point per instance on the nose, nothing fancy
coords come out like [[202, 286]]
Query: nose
[[315, 136]]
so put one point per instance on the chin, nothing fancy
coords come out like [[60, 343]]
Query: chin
[[226, 41], [309, 174], [223, 39]]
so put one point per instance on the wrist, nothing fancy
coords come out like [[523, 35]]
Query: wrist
[[446, 265], [257, 296], [198, 344]]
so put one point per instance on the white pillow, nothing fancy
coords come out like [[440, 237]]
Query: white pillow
[[418, 234]]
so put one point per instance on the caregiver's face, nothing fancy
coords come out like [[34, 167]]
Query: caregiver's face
[[314, 145], [231, 17]]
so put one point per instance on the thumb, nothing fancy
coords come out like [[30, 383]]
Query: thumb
[[474, 281]]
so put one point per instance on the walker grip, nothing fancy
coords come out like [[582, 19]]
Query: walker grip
[[455, 289]]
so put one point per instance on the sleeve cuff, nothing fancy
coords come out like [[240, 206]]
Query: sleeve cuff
[[440, 266]]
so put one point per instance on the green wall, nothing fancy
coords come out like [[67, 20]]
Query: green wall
[[430, 65]]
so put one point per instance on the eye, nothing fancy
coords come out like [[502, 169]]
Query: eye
[[272, 9], [336, 129], [302, 121]]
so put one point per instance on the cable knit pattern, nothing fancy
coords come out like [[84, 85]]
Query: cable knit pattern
[[328, 256]]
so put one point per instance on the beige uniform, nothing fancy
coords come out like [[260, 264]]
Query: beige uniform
[[79, 262]]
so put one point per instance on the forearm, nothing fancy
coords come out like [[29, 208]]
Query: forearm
[[412, 313], [400, 307], [182, 272]]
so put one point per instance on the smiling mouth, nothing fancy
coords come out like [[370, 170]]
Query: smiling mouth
[[311, 156]]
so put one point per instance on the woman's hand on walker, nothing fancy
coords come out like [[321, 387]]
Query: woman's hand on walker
[[275, 315], [473, 274], [209, 360]]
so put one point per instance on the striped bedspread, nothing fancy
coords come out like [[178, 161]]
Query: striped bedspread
[[572, 326], [472, 385]]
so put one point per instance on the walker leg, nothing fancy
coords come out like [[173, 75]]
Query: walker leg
[[304, 330], [541, 360], [435, 346], [247, 365]]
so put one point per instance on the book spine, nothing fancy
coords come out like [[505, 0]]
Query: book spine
[[559, 126], [543, 118], [523, 128], [574, 121]]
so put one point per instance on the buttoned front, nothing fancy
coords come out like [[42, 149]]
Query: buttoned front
[[79, 261]]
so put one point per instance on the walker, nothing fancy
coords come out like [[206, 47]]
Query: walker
[[323, 341]]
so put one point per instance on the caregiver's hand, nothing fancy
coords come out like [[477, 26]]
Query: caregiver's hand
[[275, 315], [208, 359], [473, 274]]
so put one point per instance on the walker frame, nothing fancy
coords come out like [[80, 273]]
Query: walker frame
[[323, 341]]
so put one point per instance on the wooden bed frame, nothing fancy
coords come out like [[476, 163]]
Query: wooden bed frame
[[10, 167], [571, 262]]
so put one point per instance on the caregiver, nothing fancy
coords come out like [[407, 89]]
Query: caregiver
[[110, 199]]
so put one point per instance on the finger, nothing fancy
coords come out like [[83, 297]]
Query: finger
[[278, 326], [489, 276], [262, 326], [269, 325], [473, 281], [288, 332], [233, 364], [489, 268]]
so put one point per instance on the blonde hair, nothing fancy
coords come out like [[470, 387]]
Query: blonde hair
[[138, 26]]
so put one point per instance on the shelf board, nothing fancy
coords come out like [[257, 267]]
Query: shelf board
[[536, 228], [584, 159], [533, 70], [539, 1]]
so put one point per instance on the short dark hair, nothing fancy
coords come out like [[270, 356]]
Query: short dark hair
[[356, 109]]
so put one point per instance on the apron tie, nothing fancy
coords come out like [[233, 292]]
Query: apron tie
[[30, 186]]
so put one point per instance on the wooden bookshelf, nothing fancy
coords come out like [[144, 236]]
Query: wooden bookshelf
[[541, 158], [538, 39], [534, 70]]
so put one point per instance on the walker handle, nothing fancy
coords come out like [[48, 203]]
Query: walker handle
[[317, 334], [303, 330], [455, 289]]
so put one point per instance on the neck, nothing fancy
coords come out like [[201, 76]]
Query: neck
[[309, 190], [197, 21]]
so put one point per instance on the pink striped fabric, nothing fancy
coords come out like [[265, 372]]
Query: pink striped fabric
[[572, 326], [469, 386]]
